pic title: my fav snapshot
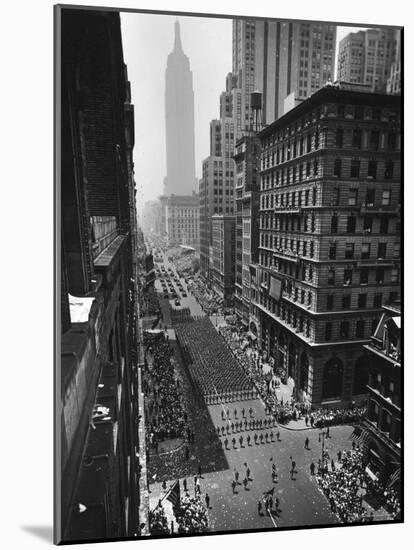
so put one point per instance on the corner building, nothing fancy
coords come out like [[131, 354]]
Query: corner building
[[329, 238]]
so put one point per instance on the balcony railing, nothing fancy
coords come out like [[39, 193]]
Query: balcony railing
[[288, 254], [287, 210], [369, 208]]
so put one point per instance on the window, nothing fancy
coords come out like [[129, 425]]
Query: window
[[360, 328], [328, 331], [362, 301], [337, 167], [394, 276], [374, 141], [396, 250], [330, 302], [351, 224], [389, 170], [359, 112], [347, 277], [349, 251], [384, 225], [379, 275], [365, 251], [393, 297], [382, 250], [376, 114], [332, 251], [370, 197], [392, 141], [378, 300], [367, 224], [372, 169], [363, 275], [344, 330], [356, 139], [346, 301], [336, 196], [339, 137], [355, 167], [331, 277], [341, 111], [386, 197], [334, 224], [353, 197]]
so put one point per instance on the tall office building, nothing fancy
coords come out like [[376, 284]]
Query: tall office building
[[217, 183], [179, 122], [366, 57], [279, 58]]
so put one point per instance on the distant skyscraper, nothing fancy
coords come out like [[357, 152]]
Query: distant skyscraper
[[179, 122], [366, 57], [279, 58]]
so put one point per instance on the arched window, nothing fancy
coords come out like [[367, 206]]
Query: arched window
[[332, 379]]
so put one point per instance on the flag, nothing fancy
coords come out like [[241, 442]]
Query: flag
[[174, 494], [395, 478]]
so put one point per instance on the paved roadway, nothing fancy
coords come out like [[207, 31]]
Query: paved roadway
[[301, 501]]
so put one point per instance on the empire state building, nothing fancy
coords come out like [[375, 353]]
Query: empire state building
[[179, 122]]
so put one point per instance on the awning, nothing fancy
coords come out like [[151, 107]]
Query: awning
[[371, 474], [397, 321]]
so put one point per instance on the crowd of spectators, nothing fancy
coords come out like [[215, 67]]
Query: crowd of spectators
[[191, 515], [163, 393], [347, 484], [158, 521], [343, 487], [213, 368]]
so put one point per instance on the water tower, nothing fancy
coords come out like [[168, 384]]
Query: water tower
[[256, 105]]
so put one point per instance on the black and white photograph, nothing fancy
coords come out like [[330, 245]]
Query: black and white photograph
[[229, 297]]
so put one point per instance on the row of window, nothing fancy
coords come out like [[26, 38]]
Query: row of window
[[342, 111], [345, 301], [304, 145], [367, 224], [357, 168], [307, 248], [371, 169], [349, 278]]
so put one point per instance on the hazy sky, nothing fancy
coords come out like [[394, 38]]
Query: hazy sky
[[147, 41]]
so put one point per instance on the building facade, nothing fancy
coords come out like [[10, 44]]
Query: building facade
[[216, 189], [366, 57], [383, 421], [183, 220], [97, 381], [329, 242], [223, 257], [179, 122], [247, 159]]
